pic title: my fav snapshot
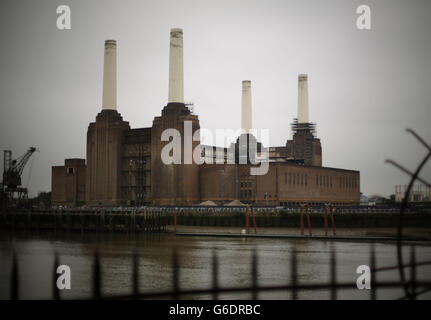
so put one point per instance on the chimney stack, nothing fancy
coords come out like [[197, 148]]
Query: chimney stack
[[303, 98], [246, 106], [110, 76], [176, 73]]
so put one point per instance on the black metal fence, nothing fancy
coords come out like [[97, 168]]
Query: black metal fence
[[294, 286]]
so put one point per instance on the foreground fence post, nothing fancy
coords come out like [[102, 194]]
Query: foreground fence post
[[294, 274], [254, 273], [373, 291], [96, 277], [215, 275], [14, 287], [55, 291], [175, 276], [333, 283], [135, 274]]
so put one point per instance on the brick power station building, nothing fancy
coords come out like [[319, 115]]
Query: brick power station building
[[123, 166]]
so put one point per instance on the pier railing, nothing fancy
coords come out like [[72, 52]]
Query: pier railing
[[102, 220]]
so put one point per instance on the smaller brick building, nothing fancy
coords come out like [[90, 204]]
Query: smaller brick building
[[68, 183]]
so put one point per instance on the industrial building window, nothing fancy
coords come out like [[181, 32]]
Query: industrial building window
[[330, 181], [70, 171], [290, 178], [317, 180], [293, 179], [285, 178], [305, 179], [297, 178]]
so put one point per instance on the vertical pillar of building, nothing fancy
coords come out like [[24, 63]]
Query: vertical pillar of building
[[175, 183], [105, 141], [246, 113], [303, 98], [176, 67], [109, 100]]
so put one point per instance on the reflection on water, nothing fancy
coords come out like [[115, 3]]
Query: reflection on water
[[36, 255]]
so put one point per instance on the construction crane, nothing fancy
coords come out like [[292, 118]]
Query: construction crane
[[12, 174]]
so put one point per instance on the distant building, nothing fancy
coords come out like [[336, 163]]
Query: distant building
[[419, 192], [123, 166]]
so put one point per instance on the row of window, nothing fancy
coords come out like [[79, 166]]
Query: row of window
[[324, 181], [245, 193], [301, 179], [348, 182], [295, 178], [246, 184]]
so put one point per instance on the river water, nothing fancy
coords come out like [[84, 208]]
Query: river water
[[35, 252]]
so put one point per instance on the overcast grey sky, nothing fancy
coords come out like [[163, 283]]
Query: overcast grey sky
[[365, 87]]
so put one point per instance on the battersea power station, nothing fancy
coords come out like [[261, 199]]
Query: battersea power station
[[165, 164]]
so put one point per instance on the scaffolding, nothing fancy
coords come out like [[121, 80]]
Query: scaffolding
[[308, 132]]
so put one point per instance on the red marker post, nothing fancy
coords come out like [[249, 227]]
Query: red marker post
[[333, 221], [254, 220], [326, 220]]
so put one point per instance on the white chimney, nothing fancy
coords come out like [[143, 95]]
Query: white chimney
[[176, 73], [303, 98], [246, 106], [110, 76]]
